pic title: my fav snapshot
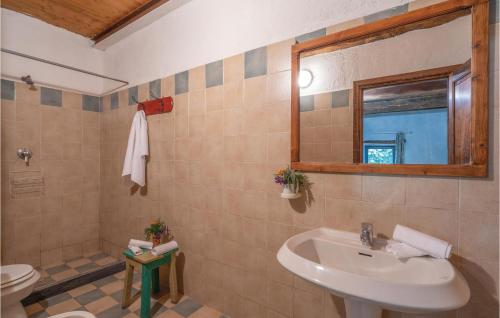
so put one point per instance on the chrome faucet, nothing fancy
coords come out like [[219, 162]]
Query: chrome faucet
[[366, 236]]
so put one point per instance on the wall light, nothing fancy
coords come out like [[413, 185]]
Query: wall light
[[305, 78]]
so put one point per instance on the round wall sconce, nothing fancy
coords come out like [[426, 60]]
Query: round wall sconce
[[305, 78]]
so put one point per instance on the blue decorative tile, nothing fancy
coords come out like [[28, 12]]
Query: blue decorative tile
[[133, 95], [8, 90], [89, 297], [91, 103], [181, 83], [118, 295], [214, 73], [494, 11], [57, 269], [114, 100], [386, 13], [155, 89], [187, 307], [307, 103], [96, 257], [340, 98], [87, 267], [311, 35], [104, 281], [256, 62], [55, 300], [50, 97]]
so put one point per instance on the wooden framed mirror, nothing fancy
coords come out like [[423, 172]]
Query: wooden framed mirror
[[403, 95]]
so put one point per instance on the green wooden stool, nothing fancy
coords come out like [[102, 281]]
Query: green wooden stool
[[150, 277]]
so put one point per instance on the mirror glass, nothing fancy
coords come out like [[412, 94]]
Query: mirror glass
[[397, 99]]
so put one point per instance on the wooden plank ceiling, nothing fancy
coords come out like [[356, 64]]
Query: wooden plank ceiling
[[95, 19]]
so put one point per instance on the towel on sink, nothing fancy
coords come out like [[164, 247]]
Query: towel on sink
[[137, 150], [430, 245], [402, 250]]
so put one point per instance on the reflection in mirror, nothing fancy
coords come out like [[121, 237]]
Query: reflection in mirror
[[400, 98], [406, 123]]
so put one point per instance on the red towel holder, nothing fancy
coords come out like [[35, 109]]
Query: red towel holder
[[156, 106]]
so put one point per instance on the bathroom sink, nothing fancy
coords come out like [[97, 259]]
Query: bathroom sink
[[370, 279]]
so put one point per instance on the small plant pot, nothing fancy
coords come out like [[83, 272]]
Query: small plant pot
[[156, 241], [290, 193]]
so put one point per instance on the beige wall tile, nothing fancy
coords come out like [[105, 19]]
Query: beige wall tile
[[280, 298], [307, 305], [53, 256], [344, 186], [279, 56], [253, 97], [440, 223], [478, 236], [278, 147], [168, 86], [432, 192], [214, 98], [388, 189], [233, 94], [479, 195], [181, 126], [233, 68], [278, 87], [197, 78], [197, 103]]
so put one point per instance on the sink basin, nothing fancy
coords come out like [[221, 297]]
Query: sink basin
[[370, 279]]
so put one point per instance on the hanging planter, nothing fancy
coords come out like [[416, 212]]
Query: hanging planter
[[289, 192], [291, 181]]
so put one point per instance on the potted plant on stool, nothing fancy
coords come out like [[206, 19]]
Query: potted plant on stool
[[156, 231]]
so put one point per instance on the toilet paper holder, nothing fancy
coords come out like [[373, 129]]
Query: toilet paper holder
[[25, 154]]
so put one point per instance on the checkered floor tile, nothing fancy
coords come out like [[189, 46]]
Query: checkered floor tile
[[58, 272], [103, 299]]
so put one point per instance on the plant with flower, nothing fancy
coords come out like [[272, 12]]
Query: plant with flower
[[156, 230], [290, 178]]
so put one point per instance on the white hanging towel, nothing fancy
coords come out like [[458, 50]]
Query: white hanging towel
[[137, 150]]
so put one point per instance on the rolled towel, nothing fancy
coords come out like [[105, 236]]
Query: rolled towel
[[135, 250], [403, 250], [429, 244], [141, 244], [164, 248]]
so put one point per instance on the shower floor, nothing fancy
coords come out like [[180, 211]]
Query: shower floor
[[56, 273]]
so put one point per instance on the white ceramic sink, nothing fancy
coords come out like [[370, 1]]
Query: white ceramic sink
[[371, 279]]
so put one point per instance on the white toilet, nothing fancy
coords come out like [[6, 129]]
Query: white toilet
[[17, 283]]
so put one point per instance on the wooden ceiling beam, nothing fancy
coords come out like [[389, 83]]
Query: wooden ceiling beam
[[126, 20]]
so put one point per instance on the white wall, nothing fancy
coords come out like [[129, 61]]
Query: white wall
[[204, 31], [33, 37]]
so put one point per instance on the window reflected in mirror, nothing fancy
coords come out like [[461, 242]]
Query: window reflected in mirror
[[406, 123]]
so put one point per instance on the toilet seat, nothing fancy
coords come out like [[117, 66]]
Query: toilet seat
[[15, 274]]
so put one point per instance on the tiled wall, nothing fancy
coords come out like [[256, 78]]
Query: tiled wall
[[326, 127], [210, 178], [62, 129]]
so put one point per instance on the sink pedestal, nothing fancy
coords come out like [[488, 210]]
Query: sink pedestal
[[355, 308]]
